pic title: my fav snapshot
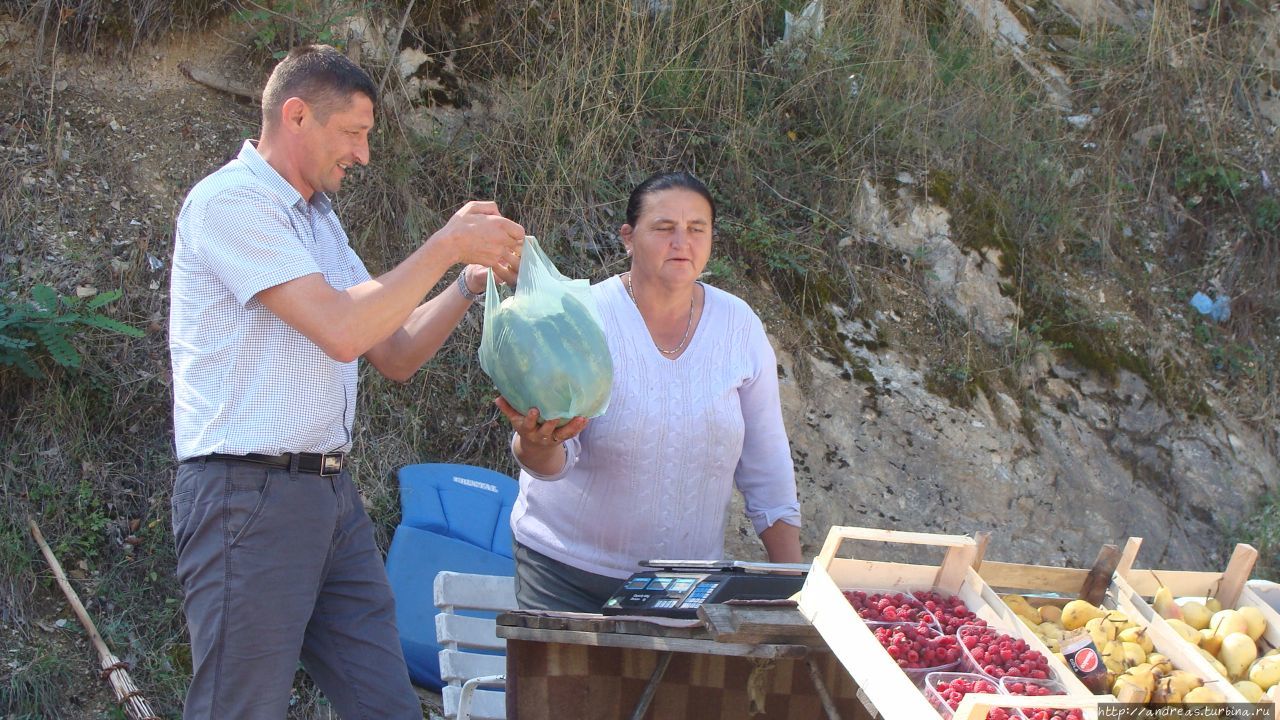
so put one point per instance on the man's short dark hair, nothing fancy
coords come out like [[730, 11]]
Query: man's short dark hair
[[321, 76]]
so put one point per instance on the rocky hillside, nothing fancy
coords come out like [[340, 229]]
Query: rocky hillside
[[973, 230]]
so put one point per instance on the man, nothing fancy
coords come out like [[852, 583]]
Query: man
[[271, 310]]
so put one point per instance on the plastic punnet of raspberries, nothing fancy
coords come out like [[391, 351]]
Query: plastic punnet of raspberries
[[947, 611], [886, 606], [917, 646], [997, 654], [953, 691]]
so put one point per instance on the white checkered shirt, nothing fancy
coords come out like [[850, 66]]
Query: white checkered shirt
[[243, 380]]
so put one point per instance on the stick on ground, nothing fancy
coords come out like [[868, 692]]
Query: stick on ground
[[113, 668]]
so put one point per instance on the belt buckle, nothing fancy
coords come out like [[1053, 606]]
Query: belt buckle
[[331, 464]]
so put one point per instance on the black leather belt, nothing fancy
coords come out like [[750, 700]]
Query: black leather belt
[[324, 464]]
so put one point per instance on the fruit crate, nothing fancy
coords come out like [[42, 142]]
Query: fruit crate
[[1230, 586], [888, 688], [1053, 585], [976, 705]]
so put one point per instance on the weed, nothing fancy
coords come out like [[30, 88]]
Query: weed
[[36, 687], [279, 25], [47, 321], [1262, 530]]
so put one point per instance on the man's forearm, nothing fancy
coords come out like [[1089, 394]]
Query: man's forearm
[[421, 336]]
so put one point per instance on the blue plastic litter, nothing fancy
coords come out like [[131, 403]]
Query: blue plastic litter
[[454, 517], [1218, 310]]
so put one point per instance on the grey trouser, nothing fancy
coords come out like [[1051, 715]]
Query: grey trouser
[[279, 566], [543, 583]]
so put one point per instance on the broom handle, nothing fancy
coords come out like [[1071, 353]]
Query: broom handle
[[72, 598], [112, 668]]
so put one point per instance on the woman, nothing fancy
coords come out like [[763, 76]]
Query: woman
[[694, 411]]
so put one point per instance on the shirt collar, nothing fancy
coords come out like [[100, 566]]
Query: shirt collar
[[263, 171]]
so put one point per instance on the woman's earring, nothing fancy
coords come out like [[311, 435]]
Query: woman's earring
[[628, 251]]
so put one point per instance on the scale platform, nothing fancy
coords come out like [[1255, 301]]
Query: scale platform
[[677, 588]]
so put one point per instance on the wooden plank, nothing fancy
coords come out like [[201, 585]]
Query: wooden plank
[[459, 667], [590, 623], [456, 631], [982, 538], [1098, 578], [648, 642], [1039, 578], [454, 590], [729, 623], [1237, 574]]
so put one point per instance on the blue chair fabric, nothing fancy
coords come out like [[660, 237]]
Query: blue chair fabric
[[453, 517]]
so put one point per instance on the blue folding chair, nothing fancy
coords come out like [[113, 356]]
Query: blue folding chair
[[454, 517]]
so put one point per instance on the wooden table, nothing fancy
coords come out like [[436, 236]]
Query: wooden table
[[737, 662]]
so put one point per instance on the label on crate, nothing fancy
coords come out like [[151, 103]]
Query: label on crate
[[1086, 662]]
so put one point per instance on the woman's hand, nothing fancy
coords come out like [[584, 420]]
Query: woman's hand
[[539, 446]]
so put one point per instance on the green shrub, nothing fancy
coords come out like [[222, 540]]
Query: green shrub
[[46, 323]]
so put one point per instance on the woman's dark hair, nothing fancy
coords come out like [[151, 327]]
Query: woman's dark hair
[[666, 181], [323, 77]]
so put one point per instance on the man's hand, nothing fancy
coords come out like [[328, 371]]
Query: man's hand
[[478, 234]]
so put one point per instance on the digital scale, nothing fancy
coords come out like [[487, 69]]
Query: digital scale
[[677, 588]]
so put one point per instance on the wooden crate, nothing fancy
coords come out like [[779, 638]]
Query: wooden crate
[[1067, 583], [1229, 586], [889, 689]]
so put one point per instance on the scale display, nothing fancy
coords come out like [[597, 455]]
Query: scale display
[[681, 587]]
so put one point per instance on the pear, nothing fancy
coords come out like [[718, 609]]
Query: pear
[[1143, 676], [1256, 621], [1187, 632], [1210, 641], [1137, 635], [1204, 695], [1213, 604], [1165, 606], [1196, 614], [1249, 690], [1172, 688], [1238, 650], [1182, 682], [1217, 664], [1078, 612], [1113, 656], [1096, 632], [1127, 690], [1051, 613], [1273, 694], [1266, 672], [1114, 621], [1050, 630], [1225, 622], [1133, 653]]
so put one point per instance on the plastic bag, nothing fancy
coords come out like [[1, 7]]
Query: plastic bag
[[544, 346]]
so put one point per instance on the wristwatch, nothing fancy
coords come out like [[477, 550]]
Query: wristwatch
[[466, 291]]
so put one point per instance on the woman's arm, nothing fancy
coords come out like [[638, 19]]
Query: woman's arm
[[782, 543], [541, 447], [765, 474]]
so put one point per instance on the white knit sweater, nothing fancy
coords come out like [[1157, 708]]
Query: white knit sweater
[[653, 476]]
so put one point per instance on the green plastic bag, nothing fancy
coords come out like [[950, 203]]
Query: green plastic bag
[[544, 346]]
